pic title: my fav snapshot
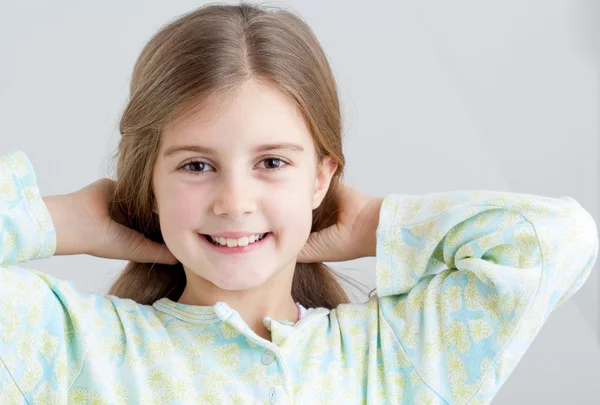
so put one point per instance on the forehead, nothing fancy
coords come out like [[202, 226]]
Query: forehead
[[254, 113]]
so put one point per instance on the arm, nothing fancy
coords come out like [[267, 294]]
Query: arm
[[26, 229], [42, 319], [466, 279]]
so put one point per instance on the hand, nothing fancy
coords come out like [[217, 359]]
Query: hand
[[354, 234], [83, 226]]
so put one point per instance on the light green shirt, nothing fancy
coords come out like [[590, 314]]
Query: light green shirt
[[465, 280]]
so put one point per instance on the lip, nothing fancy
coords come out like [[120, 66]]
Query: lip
[[235, 235], [238, 249]]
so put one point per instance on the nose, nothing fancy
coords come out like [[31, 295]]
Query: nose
[[235, 197]]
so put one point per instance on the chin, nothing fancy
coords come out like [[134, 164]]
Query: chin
[[238, 285], [240, 281]]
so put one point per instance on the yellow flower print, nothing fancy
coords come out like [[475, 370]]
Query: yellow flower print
[[9, 363], [78, 396], [8, 188], [416, 298], [401, 359], [415, 378], [425, 397], [228, 356], [433, 345], [26, 346], [396, 382], [255, 376], [452, 299], [44, 394], [216, 380], [309, 365], [96, 398], [228, 331], [133, 361], [456, 368], [121, 394], [488, 384], [32, 376], [61, 367], [409, 333], [24, 254], [461, 392], [384, 273], [12, 324], [35, 312], [504, 331], [440, 204], [456, 335], [112, 346], [10, 241], [480, 329], [484, 219], [159, 349], [492, 305], [18, 164], [472, 296], [237, 399], [328, 384], [157, 379], [49, 344], [179, 390]]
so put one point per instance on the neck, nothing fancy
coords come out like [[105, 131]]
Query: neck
[[273, 299]]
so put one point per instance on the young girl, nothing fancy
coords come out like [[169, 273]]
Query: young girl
[[228, 197]]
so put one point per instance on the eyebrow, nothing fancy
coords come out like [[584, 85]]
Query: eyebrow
[[261, 148]]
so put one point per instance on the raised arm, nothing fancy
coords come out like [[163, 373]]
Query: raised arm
[[466, 279]]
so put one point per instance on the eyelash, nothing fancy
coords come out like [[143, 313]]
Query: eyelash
[[197, 173]]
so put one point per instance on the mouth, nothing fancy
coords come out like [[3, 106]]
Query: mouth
[[241, 245], [229, 242]]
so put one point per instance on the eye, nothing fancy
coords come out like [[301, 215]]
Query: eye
[[196, 166], [274, 163]]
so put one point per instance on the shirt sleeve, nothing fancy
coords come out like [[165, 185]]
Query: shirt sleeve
[[41, 318], [466, 279]]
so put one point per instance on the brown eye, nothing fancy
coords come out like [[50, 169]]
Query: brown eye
[[196, 167], [274, 163]]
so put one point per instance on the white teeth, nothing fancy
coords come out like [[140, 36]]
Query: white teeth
[[244, 241]]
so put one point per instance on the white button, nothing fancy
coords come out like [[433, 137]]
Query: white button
[[222, 310], [268, 357], [272, 395]]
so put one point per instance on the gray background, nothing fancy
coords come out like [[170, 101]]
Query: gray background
[[436, 96]]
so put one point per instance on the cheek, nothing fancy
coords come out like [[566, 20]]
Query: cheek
[[180, 208], [292, 208]]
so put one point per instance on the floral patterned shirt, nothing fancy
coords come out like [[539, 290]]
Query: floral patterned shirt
[[465, 280]]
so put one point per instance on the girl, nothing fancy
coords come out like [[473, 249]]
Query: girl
[[228, 197]]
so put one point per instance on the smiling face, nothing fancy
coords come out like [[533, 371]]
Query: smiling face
[[251, 169]]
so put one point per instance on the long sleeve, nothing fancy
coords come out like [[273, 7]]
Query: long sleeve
[[465, 280], [41, 317], [26, 229]]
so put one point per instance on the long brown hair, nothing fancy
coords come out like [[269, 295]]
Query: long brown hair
[[204, 54]]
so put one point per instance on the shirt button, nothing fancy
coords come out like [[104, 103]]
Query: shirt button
[[268, 357], [272, 396]]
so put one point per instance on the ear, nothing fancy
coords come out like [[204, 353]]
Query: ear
[[325, 172]]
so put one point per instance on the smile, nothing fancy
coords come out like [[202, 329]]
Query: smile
[[231, 245]]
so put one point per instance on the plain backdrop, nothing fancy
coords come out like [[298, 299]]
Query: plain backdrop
[[436, 96]]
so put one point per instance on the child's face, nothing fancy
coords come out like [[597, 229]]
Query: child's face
[[230, 189]]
